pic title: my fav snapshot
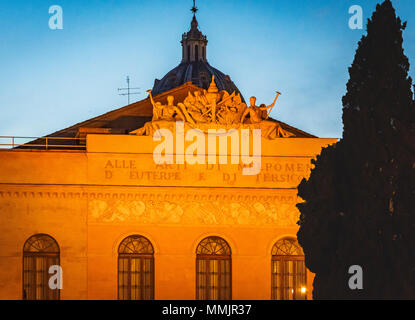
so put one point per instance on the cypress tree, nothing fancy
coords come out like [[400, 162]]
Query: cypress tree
[[359, 201]]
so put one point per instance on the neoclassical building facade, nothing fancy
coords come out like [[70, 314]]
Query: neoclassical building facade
[[93, 200]]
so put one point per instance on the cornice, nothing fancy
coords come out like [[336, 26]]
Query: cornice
[[153, 194]]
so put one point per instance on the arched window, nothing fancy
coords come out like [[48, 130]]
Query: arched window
[[196, 53], [288, 272], [135, 269], [213, 270], [40, 252]]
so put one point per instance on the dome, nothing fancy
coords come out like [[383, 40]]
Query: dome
[[199, 72], [194, 66]]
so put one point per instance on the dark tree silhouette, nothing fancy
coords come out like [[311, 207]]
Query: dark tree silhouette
[[359, 202]]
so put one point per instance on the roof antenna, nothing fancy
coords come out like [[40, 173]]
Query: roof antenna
[[129, 93]]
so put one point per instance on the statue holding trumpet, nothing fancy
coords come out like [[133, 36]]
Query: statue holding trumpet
[[256, 113]]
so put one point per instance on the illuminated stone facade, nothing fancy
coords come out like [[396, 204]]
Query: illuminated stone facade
[[89, 201], [91, 195]]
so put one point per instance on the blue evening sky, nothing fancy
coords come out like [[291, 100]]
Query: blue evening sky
[[51, 79]]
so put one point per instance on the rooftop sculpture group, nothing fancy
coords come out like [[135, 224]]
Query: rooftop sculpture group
[[213, 108]]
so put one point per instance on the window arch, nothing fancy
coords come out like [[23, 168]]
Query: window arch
[[213, 270], [40, 252], [196, 53], [135, 269], [288, 272]]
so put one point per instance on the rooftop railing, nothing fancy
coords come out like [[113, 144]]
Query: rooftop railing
[[42, 143]]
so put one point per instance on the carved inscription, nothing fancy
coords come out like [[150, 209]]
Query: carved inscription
[[281, 172]]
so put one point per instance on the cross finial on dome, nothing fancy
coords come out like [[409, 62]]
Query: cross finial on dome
[[194, 8]]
